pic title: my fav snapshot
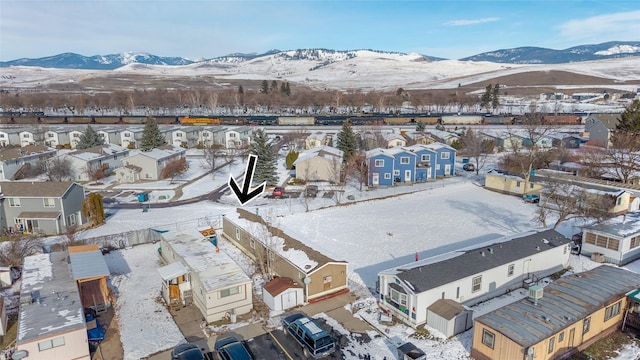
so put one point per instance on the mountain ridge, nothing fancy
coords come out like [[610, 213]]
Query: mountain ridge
[[520, 55]]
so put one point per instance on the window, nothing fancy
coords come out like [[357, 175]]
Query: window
[[396, 172], [229, 292], [476, 283], [387, 176], [398, 297], [635, 242], [326, 279], [232, 135], [178, 134], [445, 156], [586, 325], [612, 311], [404, 160], [49, 135], [49, 202], [147, 175], [488, 338], [50, 344], [237, 234], [510, 270], [379, 163], [14, 202], [458, 292], [531, 185], [126, 134], [71, 220], [552, 342], [25, 136], [443, 295], [619, 200], [252, 243], [425, 157]]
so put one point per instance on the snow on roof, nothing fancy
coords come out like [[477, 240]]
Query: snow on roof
[[419, 147], [442, 134], [318, 135], [55, 307], [392, 136], [399, 150], [216, 270], [98, 152], [621, 226], [377, 151], [87, 264], [172, 271], [438, 146], [163, 153], [324, 151], [283, 240]]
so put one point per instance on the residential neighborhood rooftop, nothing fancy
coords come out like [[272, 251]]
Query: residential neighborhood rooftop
[[621, 225], [54, 306], [468, 262], [216, 269], [564, 302], [98, 152], [87, 263], [35, 189]]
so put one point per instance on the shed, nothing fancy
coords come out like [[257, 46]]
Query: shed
[[408, 351], [5, 276], [449, 317], [282, 293], [89, 269]]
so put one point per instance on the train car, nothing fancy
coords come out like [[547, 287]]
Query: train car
[[79, 120], [199, 121], [107, 119], [261, 120], [167, 120], [6, 119], [398, 120], [25, 120], [133, 119], [499, 120], [296, 120], [233, 120], [462, 120], [563, 119], [427, 120], [364, 120], [53, 120]]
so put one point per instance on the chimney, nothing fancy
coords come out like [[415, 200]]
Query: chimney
[[490, 250], [482, 253]]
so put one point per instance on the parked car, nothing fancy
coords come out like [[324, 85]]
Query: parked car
[[468, 167], [187, 352], [315, 341], [311, 191], [278, 191], [530, 198], [233, 349]]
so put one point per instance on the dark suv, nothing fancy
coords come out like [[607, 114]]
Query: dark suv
[[315, 341], [187, 352], [311, 191]]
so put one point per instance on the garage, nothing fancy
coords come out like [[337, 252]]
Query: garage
[[282, 293]]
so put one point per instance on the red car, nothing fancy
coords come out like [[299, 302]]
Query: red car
[[278, 191]]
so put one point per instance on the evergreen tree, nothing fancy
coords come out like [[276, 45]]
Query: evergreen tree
[[266, 162], [347, 141], [274, 85], [495, 99], [151, 137], [420, 126], [240, 89], [630, 118], [287, 89], [89, 139], [485, 100], [264, 87]]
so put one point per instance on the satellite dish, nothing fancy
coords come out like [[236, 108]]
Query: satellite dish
[[20, 354], [307, 280]]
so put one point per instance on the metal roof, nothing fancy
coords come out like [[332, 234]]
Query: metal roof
[[172, 271], [471, 262], [87, 264], [446, 308], [622, 225], [564, 302], [56, 306]]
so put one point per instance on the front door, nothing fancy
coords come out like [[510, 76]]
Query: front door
[[428, 173], [447, 170], [376, 179], [407, 176], [572, 332]]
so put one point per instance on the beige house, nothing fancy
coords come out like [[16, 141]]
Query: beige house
[[51, 323], [319, 164], [316, 139], [197, 272], [393, 140], [510, 184], [557, 320], [128, 174], [319, 275], [152, 162]]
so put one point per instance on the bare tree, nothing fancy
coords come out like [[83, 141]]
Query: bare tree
[[17, 247], [267, 247], [58, 168], [356, 169], [568, 202], [209, 159], [623, 156], [476, 147], [96, 172], [174, 168]]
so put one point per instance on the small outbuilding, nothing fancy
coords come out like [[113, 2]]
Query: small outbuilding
[[89, 269], [6, 279], [282, 293], [408, 351], [449, 317]]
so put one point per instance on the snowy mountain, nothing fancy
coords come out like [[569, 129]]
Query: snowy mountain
[[521, 55], [536, 55]]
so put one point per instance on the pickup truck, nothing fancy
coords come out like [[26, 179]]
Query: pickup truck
[[315, 341]]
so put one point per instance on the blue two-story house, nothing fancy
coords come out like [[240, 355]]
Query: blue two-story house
[[404, 164], [425, 162], [445, 159], [380, 168]]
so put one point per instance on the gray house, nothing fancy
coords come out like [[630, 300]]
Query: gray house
[[10, 137], [109, 135], [18, 160], [48, 207], [600, 127], [86, 162]]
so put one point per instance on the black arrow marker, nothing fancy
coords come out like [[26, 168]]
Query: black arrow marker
[[244, 196]]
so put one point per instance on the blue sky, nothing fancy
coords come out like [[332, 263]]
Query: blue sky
[[205, 29]]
